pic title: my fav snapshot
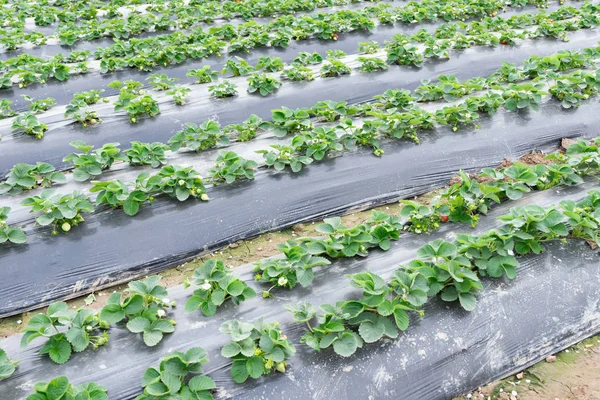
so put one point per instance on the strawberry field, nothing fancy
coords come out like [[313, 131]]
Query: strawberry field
[[412, 187]]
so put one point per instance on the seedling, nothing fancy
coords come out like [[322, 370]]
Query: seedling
[[152, 154], [61, 388], [256, 349], [170, 378], [179, 182], [216, 285], [92, 163], [230, 166], [203, 75], [61, 211], [199, 137], [26, 177], [161, 81], [263, 84], [75, 335], [180, 94], [144, 308], [29, 124], [223, 89]]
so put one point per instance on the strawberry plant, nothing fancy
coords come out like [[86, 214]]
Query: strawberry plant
[[29, 124], [92, 163], [401, 52], [436, 48], [398, 99], [61, 389], [297, 73], [256, 349], [282, 156], [263, 84], [180, 94], [161, 81], [199, 137], [371, 47], [365, 135], [304, 59], [76, 331], [456, 116], [405, 125], [203, 75], [170, 379], [60, 211], [419, 218], [152, 154], [269, 64], [10, 234], [333, 68], [179, 182], [285, 121], [371, 64], [223, 89], [5, 110], [331, 110], [296, 267], [216, 285], [523, 96], [237, 67], [137, 106], [144, 308], [248, 129], [318, 143], [7, 366], [487, 103], [347, 325], [26, 177], [117, 194], [335, 54], [230, 166], [78, 110], [39, 106]]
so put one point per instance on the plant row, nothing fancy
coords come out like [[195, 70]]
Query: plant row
[[86, 23], [175, 48], [451, 270], [65, 211]]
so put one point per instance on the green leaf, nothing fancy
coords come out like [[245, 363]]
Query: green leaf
[[255, 367], [152, 338], [239, 372], [59, 350], [236, 288], [345, 345], [231, 350], [401, 318], [138, 325], [199, 383], [371, 332], [467, 300], [78, 338], [57, 388], [16, 235], [112, 313], [131, 207]]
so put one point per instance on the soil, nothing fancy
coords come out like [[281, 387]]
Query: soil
[[573, 374], [535, 158]]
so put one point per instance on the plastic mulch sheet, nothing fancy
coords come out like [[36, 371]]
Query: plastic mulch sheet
[[552, 304], [112, 247]]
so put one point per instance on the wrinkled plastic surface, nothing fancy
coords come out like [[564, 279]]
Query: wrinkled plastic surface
[[355, 88], [112, 247], [552, 304]]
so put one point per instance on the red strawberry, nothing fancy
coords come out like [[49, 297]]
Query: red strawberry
[[444, 218]]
